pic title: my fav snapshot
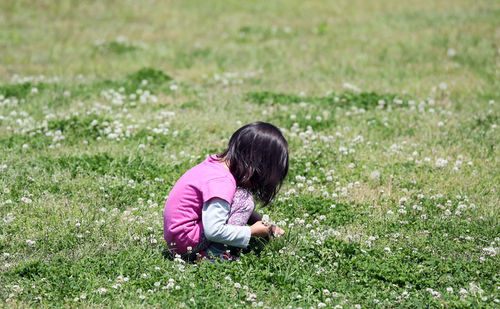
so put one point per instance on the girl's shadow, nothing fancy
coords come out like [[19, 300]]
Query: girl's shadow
[[255, 246]]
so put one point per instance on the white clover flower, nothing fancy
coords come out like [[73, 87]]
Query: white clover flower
[[441, 162], [265, 220], [16, 288], [352, 87], [463, 292], [475, 289], [436, 294], [251, 297], [491, 251], [375, 175], [102, 291], [451, 52]]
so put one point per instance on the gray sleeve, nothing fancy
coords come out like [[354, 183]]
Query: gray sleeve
[[214, 216]]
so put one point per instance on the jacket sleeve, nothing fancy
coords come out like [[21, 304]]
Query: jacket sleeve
[[215, 214]]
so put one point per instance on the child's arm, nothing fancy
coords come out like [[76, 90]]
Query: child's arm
[[214, 217]]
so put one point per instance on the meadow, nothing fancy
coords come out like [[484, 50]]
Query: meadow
[[391, 110]]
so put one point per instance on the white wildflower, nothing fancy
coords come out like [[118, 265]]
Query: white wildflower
[[102, 291], [441, 162], [375, 175]]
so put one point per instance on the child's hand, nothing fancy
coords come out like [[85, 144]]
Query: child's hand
[[259, 229], [277, 231]]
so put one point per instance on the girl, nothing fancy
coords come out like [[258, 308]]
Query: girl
[[211, 204]]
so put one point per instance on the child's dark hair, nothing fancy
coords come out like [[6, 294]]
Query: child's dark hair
[[257, 155]]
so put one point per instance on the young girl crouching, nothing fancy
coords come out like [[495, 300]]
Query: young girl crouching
[[210, 206]]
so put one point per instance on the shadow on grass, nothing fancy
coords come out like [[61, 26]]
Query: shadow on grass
[[256, 246]]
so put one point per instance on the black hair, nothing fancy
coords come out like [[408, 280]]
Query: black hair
[[257, 155]]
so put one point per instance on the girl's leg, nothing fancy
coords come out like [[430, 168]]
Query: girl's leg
[[254, 217]]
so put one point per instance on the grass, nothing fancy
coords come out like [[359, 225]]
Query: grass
[[390, 109]]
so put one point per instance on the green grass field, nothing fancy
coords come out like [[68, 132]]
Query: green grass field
[[391, 109]]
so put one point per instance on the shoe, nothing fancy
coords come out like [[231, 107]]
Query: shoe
[[212, 256]]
